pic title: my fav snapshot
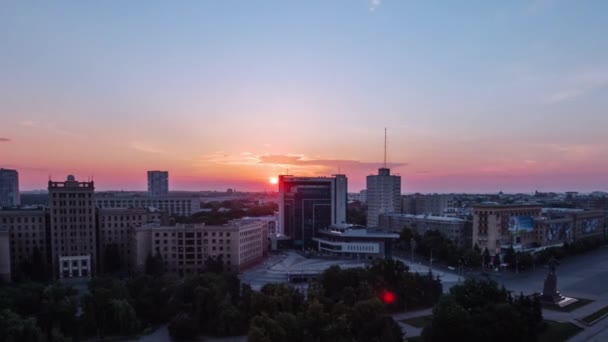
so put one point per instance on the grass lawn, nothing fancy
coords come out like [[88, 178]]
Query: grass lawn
[[558, 331], [419, 322], [596, 315], [580, 303]]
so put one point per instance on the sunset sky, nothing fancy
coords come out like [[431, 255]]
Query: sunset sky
[[477, 96]]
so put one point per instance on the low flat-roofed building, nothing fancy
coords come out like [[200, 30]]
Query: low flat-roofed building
[[174, 204], [355, 241], [185, 247], [456, 229]]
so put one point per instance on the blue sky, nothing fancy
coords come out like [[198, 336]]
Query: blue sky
[[477, 95]]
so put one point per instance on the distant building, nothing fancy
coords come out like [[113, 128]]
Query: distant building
[[185, 247], [567, 225], [9, 188], [383, 195], [72, 228], [348, 240], [309, 204], [178, 205], [432, 204], [158, 183], [456, 229], [363, 196]]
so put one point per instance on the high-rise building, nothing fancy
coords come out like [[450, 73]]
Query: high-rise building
[[383, 195], [9, 188], [158, 183], [72, 222], [309, 204]]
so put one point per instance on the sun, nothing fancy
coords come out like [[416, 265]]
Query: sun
[[273, 180]]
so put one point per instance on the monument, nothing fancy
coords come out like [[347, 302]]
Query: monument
[[550, 293]]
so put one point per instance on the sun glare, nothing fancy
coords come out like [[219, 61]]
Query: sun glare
[[273, 180]]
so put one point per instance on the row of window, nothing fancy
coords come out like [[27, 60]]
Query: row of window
[[71, 195], [22, 219]]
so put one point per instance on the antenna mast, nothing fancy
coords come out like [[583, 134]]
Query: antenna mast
[[385, 147]]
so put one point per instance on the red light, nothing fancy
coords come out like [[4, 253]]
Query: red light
[[388, 297]]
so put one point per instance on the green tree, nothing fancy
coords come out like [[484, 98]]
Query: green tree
[[214, 264], [154, 265], [112, 262], [480, 310], [264, 328], [183, 326], [13, 328]]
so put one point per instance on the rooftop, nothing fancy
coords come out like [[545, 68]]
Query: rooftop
[[427, 217], [351, 230]]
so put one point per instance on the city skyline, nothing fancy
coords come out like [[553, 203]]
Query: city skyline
[[476, 97]]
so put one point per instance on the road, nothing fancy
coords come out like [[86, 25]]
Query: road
[[581, 276]]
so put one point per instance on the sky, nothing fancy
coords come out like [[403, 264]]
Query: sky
[[477, 96]]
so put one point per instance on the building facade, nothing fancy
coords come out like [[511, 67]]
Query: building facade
[[9, 188], [72, 228], [383, 195], [431, 204], [158, 183], [363, 196], [185, 248], [309, 204], [501, 226], [174, 205], [5, 255], [456, 229], [27, 233], [116, 229], [560, 226]]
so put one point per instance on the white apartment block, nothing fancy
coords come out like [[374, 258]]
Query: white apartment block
[[383, 195]]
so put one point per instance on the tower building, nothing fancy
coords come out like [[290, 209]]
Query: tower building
[[309, 204], [158, 183], [9, 188], [72, 223], [383, 193]]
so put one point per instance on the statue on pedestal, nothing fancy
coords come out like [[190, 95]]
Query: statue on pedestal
[[550, 293]]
